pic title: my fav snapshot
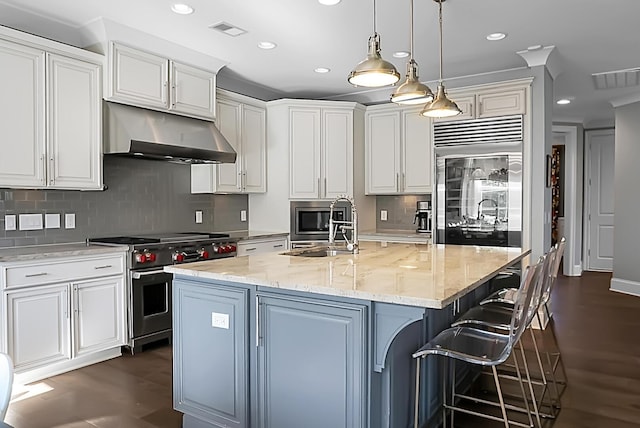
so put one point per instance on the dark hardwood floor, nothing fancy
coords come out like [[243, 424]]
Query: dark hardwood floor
[[598, 331]]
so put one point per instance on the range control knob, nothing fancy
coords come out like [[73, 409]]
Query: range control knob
[[233, 248], [216, 249], [150, 257], [203, 254], [178, 257], [141, 258]]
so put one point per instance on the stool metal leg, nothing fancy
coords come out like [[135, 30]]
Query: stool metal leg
[[502, 407], [533, 395], [524, 394], [417, 403]]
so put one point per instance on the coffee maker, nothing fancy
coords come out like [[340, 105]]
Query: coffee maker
[[423, 217]]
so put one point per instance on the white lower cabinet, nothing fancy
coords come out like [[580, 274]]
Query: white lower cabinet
[[54, 323], [265, 245], [38, 326], [98, 315]]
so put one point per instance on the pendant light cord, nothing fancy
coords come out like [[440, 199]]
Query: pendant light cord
[[374, 17], [440, 15], [411, 31]]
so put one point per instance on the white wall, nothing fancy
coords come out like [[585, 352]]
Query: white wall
[[626, 238]]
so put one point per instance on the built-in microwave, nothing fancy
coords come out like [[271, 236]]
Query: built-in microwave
[[310, 220]]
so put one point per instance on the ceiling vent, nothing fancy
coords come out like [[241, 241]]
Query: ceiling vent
[[228, 29], [617, 79]]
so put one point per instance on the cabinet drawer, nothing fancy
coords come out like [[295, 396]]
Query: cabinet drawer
[[36, 273], [256, 247]]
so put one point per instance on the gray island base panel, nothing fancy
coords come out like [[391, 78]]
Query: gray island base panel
[[275, 341]]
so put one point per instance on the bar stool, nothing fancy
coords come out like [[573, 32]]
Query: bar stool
[[483, 348], [496, 316]]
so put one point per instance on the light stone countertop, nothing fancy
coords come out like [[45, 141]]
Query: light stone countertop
[[430, 276], [243, 235], [39, 252]]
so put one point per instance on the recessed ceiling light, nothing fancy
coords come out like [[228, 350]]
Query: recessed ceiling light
[[563, 101], [401, 54], [322, 70], [182, 9], [496, 36], [329, 2], [266, 45]]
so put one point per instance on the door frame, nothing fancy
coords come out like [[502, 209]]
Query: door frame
[[574, 187]]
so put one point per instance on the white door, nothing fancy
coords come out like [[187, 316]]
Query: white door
[[304, 153], [138, 77], [417, 156], [337, 157], [22, 116], [383, 152], [228, 176], [193, 91], [98, 315], [74, 117], [38, 326], [600, 189], [254, 147]]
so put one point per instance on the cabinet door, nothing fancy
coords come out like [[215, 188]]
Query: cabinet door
[[38, 326], [193, 91], [465, 103], [383, 152], [417, 153], [311, 364], [23, 122], [98, 315], [138, 77], [228, 177], [254, 147], [210, 349], [501, 103], [304, 153], [337, 153], [74, 117]]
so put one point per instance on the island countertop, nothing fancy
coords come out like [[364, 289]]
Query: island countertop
[[430, 276]]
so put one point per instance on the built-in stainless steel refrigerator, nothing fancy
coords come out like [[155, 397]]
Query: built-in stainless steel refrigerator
[[479, 182]]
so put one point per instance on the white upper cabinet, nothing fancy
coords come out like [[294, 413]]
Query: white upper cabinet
[[398, 151], [489, 101], [244, 126], [320, 151], [53, 125], [148, 80]]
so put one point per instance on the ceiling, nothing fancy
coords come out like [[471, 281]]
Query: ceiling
[[589, 37]]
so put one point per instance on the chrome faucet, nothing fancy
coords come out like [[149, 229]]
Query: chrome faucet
[[495, 204], [344, 225]]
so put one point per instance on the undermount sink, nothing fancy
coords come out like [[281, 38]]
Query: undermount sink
[[321, 251]]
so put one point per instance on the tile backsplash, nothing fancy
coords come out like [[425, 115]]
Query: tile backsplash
[[142, 196], [401, 210]]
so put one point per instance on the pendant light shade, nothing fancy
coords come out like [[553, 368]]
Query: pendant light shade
[[374, 71], [441, 106], [412, 91]]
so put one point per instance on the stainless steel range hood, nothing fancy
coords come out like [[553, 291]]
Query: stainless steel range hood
[[151, 134]]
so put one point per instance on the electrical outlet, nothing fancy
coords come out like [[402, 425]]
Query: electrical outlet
[[69, 221], [198, 217], [243, 215], [383, 215], [220, 320], [10, 222]]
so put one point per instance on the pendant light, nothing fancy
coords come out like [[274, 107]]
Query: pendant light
[[412, 91], [374, 71], [441, 106]]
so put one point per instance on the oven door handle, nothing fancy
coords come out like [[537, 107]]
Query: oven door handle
[[138, 275]]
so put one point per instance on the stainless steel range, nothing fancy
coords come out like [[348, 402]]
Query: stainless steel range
[[149, 287]]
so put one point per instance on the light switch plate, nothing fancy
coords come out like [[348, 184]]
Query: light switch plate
[[30, 221], [198, 217], [52, 221], [10, 222], [69, 221], [383, 215]]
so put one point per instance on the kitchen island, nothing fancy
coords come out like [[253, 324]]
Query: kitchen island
[[282, 341]]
